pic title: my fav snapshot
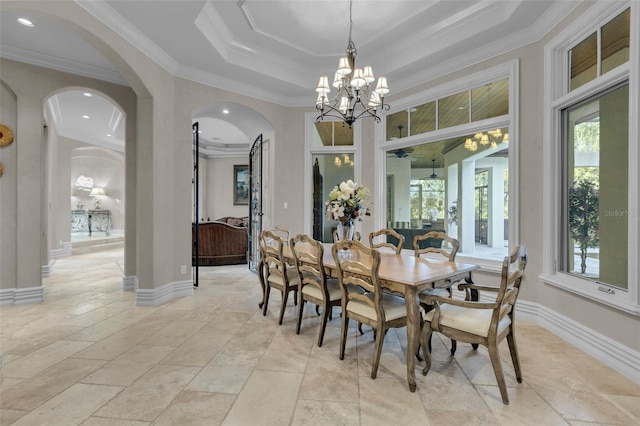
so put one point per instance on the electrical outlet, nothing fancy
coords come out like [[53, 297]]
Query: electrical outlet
[[60, 243], [286, 205], [183, 269]]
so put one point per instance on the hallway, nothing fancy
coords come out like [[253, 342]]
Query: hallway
[[89, 356]]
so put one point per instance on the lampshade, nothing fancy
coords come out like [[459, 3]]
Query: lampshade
[[382, 88], [96, 191]]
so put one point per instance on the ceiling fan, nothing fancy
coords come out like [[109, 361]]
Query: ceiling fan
[[401, 153], [433, 169]]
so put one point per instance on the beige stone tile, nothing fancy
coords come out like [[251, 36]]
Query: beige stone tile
[[198, 350], [393, 363], [443, 380], [442, 417], [32, 364], [380, 399], [101, 330], [227, 372], [31, 392], [125, 369], [525, 407], [629, 405], [321, 382], [7, 382], [8, 417], [115, 345], [196, 408], [260, 404], [477, 366], [174, 334], [103, 421], [574, 399], [321, 413], [71, 407], [287, 353], [148, 396]]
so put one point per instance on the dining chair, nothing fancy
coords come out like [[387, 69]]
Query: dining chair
[[396, 243], [315, 286], [442, 245], [282, 232], [484, 323], [277, 273], [336, 236], [377, 309]]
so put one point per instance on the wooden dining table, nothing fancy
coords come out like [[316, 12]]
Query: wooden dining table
[[407, 275]]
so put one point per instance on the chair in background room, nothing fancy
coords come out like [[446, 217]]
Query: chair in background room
[[484, 323], [441, 244], [281, 232], [277, 273], [377, 309], [315, 286], [396, 243]]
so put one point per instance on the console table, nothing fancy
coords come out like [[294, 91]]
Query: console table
[[91, 220]]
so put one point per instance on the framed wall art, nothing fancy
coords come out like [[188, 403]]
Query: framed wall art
[[240, 185]]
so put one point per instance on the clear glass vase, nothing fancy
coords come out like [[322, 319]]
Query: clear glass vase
[[346, 230]]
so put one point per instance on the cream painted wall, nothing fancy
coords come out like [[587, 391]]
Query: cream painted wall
[[219, 195], [8, 191]]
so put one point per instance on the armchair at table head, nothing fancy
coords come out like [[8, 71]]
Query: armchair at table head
[[484, 323], [377, 309], [396, 243], [277, 273]]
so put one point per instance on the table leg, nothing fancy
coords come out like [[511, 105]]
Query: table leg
[[413, 329]]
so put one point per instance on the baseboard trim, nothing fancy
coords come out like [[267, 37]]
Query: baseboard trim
[[21, 296], [46, 269], [66, 250], [615, 355], [158, 296], [130, 283]]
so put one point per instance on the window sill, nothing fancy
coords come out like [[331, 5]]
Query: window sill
[[618, 300]]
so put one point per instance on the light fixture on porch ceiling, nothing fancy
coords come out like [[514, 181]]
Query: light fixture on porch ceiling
[[355, 97], [491, 137], [433, 170]]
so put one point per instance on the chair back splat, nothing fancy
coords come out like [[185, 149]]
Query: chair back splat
[[386, 237]]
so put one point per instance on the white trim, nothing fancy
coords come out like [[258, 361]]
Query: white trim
[[21, 296], [66, 250], [46, 269], [129, 283], [556, 97], [158, 296]]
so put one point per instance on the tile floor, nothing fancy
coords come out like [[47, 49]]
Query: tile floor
[[88, 356]]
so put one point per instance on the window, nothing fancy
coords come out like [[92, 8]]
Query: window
[[595, 250]]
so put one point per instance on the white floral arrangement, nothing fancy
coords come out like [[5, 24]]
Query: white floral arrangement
[[347, 202]]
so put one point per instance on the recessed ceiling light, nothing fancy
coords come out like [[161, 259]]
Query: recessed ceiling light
[[225, 111], [87, 94], [85, 116], [25, 22], [200, 131], [108, 135]]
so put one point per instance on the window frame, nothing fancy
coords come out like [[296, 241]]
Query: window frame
[[558, 97], [509, 70]]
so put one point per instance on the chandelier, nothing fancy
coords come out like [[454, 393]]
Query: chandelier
[[491, 138], [355, 96]]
